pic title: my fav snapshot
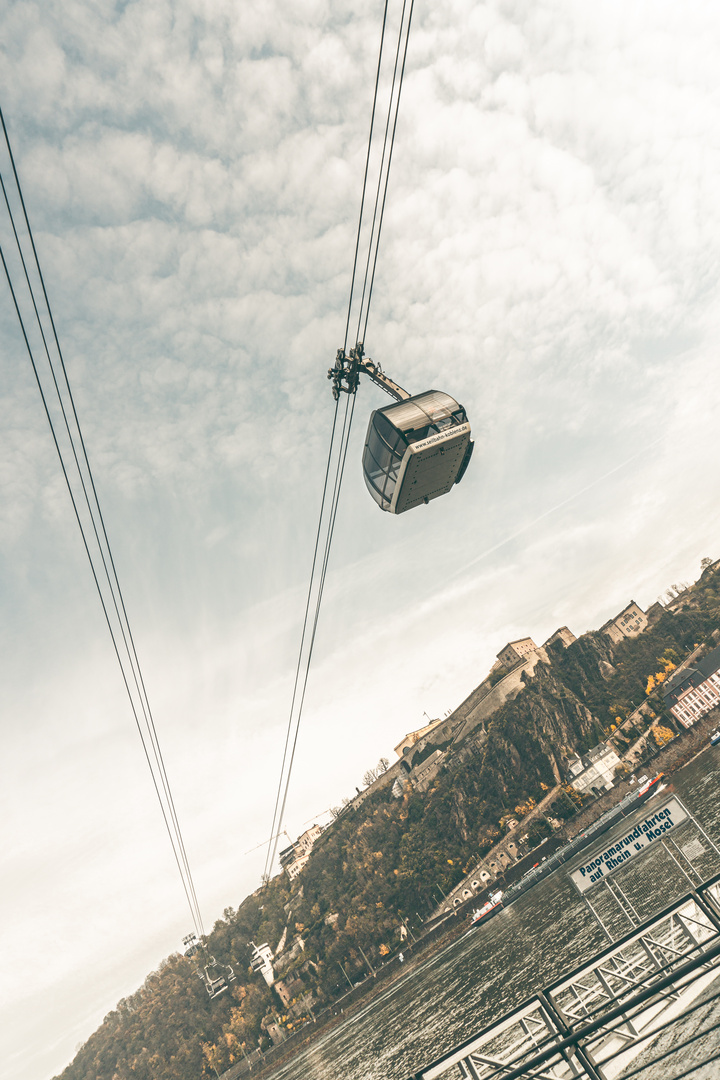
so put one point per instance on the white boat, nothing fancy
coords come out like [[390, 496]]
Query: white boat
[[493, 903]]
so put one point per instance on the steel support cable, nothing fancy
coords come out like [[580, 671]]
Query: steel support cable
[[365, 176], [374, 238], [270, 856], [275, 826], [187, 884], [115, 589], [94, 574], [387, 172], [336, 497], [340, 469], [295, 719], [276, 830]]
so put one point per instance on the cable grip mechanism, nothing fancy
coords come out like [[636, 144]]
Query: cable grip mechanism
[[345, 374]]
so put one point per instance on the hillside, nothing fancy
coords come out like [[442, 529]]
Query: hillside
[[382, 860]]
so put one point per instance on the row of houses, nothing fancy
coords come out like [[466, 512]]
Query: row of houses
[[290, 988], [595, 769], [630, 622], [294, 857], [691, 692]]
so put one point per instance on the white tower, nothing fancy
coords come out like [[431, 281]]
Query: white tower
[[261, 961]]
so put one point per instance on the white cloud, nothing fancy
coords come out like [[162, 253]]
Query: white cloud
[[549, 255]]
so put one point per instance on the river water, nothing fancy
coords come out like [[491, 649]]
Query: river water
[[481, 976]]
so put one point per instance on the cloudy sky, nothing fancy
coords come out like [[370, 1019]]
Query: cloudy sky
[[192, 170]]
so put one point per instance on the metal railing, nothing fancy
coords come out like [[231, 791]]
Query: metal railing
[[638, 1003]]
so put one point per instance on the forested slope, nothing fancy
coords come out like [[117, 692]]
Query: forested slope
[[379, 863]]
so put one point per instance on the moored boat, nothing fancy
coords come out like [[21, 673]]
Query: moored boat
[[494, 903], [650, 787]]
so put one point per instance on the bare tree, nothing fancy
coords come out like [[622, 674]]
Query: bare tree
[[382, 766], [370, 777], [704, 563]]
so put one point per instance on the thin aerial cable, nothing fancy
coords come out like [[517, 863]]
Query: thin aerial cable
[[270, 855], [387, 172], [373, 245], [336, 498], [132, 652], [294, 719], [365, 176], [316, 588], [321, 588], [115, 589], [347, 422], [270, 858], [92, 566], [96, 517]]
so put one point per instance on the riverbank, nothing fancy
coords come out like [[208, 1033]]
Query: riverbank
[[689, 745], [414, 952], [683, 749]]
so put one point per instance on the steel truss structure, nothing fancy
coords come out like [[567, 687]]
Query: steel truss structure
[[641, 1001]]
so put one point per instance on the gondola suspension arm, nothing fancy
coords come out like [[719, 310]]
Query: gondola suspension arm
[[345, 374]]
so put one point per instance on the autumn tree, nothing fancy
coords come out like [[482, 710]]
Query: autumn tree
[[662, 735]]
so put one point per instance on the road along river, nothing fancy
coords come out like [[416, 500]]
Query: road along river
[[485, 973]]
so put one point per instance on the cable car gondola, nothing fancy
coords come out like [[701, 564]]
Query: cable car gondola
[[417, 448], [216, 982], [191, 945]]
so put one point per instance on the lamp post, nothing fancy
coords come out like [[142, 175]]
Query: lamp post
[[408, 929], [372, 969], [346, 975]]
